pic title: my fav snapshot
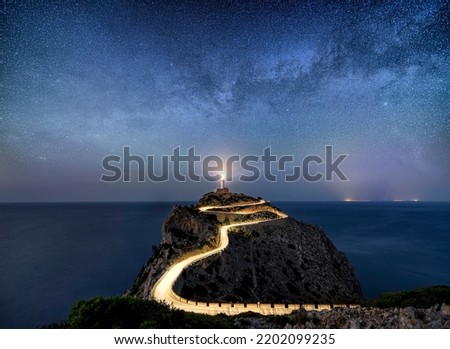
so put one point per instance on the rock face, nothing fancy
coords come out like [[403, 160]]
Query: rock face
[[185, 230], [282, 261], [214, 199], [389, 318], [187, 227]]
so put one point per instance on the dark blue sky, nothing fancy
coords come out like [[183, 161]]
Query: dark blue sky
[[82, 79]]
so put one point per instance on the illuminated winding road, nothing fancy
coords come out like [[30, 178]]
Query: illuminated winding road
[[163, 289]]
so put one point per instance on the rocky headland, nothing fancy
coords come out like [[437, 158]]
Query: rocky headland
[[278, 261]]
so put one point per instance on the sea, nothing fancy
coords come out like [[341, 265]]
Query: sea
[[53, 255]]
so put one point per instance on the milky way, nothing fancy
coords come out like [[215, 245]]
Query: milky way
[[82, 80]]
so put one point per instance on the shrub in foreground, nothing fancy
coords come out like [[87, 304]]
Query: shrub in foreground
[[418, 298], [128, 312]]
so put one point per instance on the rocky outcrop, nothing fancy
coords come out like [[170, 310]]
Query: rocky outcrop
[[437, 316], [188, 228], [184, 231], [224, 199], [282, 261]]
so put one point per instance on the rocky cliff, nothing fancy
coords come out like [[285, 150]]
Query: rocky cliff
[[185, 230], [283, 260]]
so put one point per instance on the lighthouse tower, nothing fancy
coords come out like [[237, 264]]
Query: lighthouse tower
[[222, 188]]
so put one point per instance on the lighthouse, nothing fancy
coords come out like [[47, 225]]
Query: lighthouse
[[222, 188]]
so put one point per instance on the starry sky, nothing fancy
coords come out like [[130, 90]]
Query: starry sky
[[82, 79]]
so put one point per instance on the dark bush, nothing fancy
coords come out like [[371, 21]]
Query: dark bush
[[127, 312], [418, 298]]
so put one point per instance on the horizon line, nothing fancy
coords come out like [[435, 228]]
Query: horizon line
[[171, 201]]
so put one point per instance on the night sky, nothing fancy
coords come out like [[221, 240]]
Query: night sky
[[81, 80]]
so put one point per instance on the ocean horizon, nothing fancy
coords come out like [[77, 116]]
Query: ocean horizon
[[55, 254]]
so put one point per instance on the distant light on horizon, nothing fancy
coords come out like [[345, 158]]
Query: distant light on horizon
[[356, 200], [407, 200]]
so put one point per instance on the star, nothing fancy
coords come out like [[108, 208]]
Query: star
[[83, 80]]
